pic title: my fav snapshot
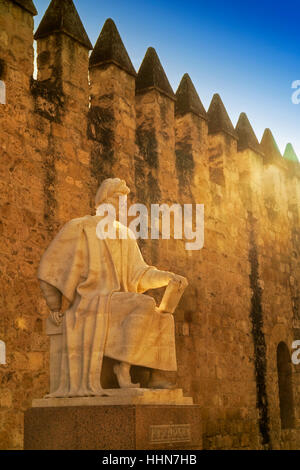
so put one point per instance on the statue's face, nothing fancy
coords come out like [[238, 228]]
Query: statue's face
[[118, 202], [113, 191]]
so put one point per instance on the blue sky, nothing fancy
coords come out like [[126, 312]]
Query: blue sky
[[248, 52]]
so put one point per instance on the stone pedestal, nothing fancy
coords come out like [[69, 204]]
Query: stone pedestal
[[109, 423]]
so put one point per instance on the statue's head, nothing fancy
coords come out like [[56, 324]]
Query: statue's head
[[110, 190]]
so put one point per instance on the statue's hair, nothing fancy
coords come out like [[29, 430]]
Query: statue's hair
[[110, 187]]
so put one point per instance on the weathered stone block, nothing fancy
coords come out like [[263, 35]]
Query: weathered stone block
[[115, 427]]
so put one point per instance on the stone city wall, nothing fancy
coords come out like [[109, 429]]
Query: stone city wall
[[86, 118]]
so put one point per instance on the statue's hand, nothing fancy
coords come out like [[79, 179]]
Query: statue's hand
[[56, 317], [180, 280]]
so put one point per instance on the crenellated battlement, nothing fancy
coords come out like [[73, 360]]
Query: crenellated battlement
[[63, 61], [89, 115]]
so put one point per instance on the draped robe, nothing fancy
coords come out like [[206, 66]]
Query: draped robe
[[94, 275]]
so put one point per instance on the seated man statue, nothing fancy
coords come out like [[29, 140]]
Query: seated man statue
[[108, 314]]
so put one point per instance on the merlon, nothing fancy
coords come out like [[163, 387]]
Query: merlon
[[246, 136], [187, 99], [152, 75], [218, 119], [62, 17], [109, 48]]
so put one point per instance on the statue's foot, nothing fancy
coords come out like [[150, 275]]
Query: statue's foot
[[57, 394], [61, 393], [163, 384], [81, 392], [50, 395], [123, 376], [158, 380]]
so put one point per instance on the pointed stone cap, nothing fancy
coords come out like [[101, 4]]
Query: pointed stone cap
[[62, 17], [27, 5], [246, 135], [218, 119], [152, 75], [269, 147], [290, 154], [109, 48], [187, 99]]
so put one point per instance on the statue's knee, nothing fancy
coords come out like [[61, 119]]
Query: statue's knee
[[149, 304]]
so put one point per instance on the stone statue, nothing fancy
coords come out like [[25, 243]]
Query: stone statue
[[104, 281]]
